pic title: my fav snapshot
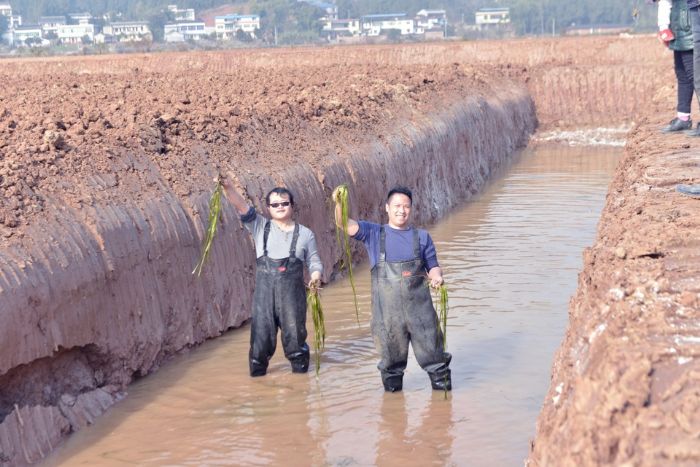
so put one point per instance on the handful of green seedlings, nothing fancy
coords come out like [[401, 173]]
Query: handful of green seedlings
[[340, 196], [214, 214], [313, 303], [442, 309]]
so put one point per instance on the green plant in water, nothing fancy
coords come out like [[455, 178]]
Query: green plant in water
[[313, 303], [214, 214], [340, 196], [442, 309]]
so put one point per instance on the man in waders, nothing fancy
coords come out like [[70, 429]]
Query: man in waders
[[403, 259], [282, 248]]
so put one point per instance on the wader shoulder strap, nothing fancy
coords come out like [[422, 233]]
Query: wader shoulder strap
[[416, 244], [265, 236], [382, 245], [295, 237]]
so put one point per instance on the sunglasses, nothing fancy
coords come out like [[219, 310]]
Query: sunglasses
[[284, 204]]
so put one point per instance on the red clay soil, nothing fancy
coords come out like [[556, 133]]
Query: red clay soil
[[58, 131], [625, 386]]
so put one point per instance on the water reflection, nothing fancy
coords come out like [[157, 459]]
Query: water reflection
[[511, 259]]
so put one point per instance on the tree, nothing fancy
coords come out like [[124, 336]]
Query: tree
[[29, 41], [86, 40], [394, 35], [243, 36]]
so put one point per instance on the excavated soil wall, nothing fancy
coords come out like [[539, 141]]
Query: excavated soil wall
[[106, 166]]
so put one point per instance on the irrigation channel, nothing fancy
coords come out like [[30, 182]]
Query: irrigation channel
[[511, 259]]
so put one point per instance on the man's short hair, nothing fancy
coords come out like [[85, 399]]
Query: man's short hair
[[401, 190], [280, 191]]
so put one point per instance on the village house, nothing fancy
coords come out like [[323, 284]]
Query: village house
[[49, 25], [19, 35], [126, 31], [430, 20], [375, 25], [80, 18], [76, 33], [335, 28], [227, 26], [186, 14], [12, 20], [185, 31], [485, 18]]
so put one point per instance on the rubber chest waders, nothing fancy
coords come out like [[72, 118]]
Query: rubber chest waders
[[403, 312], [279, 300]]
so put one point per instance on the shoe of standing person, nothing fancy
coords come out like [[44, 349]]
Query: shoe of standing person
[[677, 125], [690, 190], [693, 131]]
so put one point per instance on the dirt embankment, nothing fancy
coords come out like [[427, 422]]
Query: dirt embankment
[[106, 176], [625, 386]]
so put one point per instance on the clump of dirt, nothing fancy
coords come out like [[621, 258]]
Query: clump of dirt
[[82, 139]]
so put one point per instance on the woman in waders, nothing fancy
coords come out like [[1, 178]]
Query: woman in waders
[[282, 248], [403, 259]]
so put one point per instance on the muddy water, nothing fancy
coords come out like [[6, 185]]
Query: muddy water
[[511, 258]]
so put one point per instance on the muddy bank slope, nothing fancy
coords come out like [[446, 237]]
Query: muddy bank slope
[[106, 178], [625, 387]]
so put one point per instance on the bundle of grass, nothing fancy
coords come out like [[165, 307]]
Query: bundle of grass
[[340, 196], [214, 214], [442, 309], [313, 303]]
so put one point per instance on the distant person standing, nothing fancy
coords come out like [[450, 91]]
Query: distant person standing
[[676, 33], [694, 14]]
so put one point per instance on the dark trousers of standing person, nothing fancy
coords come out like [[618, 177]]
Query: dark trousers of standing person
[[684, 63], [694, 13]]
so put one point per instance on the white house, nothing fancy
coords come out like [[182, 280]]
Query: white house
[[183, 31], [127, 31], [488, 17], [226, 26], [186, 14], [74, 33], [20, 34], [374, 25], [12, 20], [80, 18], [341, 27], [431, 19], [50, 24]]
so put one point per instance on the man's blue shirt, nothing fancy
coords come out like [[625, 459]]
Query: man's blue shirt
[[399, 244]]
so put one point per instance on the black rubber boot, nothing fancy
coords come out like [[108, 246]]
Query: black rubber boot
[[392, 383], [256, 368], [300, 361], [677, 125], [442, 381]]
